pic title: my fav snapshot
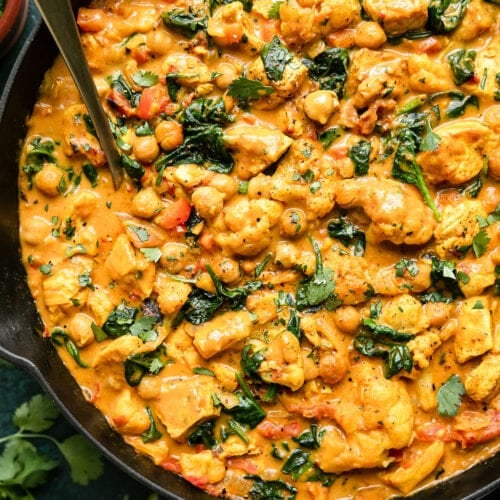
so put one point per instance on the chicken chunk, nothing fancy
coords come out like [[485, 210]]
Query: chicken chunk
[[130, 268], [405, 477], [184, 402], [398, 17], [482, 382], [255, 147], [397, 211], [473, 333], [222, 332], [460, 154], [428, 76], [457, 227]]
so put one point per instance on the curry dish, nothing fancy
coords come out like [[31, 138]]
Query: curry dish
[[295, 291]]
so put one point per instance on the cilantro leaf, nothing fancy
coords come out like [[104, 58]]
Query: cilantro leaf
[[152, 254], [84, 460], [22, 465], [449, 396], [36, 415], [431, 139], [244, 89], [409, 265], [145, 78], [480, 243], [274, 11]]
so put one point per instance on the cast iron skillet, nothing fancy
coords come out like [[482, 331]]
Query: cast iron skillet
[[19, 321]]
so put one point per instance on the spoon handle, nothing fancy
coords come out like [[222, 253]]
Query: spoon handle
[[59, 18]]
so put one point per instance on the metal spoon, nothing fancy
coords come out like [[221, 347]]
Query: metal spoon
[[59, 18]]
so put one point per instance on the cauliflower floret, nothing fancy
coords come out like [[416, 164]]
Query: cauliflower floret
[[255, 147], [473, 331], [374, 415], [282, 363], [397, 210], [297, 22], [428, 76], [192, 72], [458, 226], [336, 15], [404, 313], [247, 225], [172, 294], [422, 348], [460, 154], [481, 382], [398, 17]]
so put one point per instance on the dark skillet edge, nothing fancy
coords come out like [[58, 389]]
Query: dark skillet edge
[[35, 355]]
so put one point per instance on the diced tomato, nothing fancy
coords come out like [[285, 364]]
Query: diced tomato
[[198, 481], [91, 20], [153, 101], [435, 431], [119, 102], [141, 54], [171, 464], [268, 28], [275, 430], [343, 38], [175, 214], [245, 464], [207, 241], [120, 421], [430, 45]]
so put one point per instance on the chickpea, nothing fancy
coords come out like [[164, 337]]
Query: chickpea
[[149, 388], [320, 105], [35, 230], [208, 201], [85, 203], [224, 184], [494, 163], [369, 35], [287, 254], [175, 257], [146, 203], [169, 134], [48, 179], [492, 117], [347, 318], [159, 42], [293, 222], [146, 149], [229, 72], [80, 329], [260, 187], [228, 270]]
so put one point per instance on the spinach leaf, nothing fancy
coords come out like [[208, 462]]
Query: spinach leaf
[[318, 287], [270, 490], [59, 337], [140, 364], [310, 439], [185, 22], [446, 15], [406, 169], [152, 434], [462, 65], [445, 281], [360, 156], [347, 233], [120, 320], [251, 360], [329, 69], [133, 168], [247, 411], [199, 307], [205, 111], [117, 82], [275, 57], [204, 434], [459, 103], [40, 151], [90, 173], [297, 463], [378, 329], [327, 137]]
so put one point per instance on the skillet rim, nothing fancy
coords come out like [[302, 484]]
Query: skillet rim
[[40, 359]]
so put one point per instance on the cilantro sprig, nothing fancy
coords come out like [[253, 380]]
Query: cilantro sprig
[[449, 396], [23, 467]]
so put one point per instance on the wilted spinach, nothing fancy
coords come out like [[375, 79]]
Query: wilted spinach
[[329, 69]]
